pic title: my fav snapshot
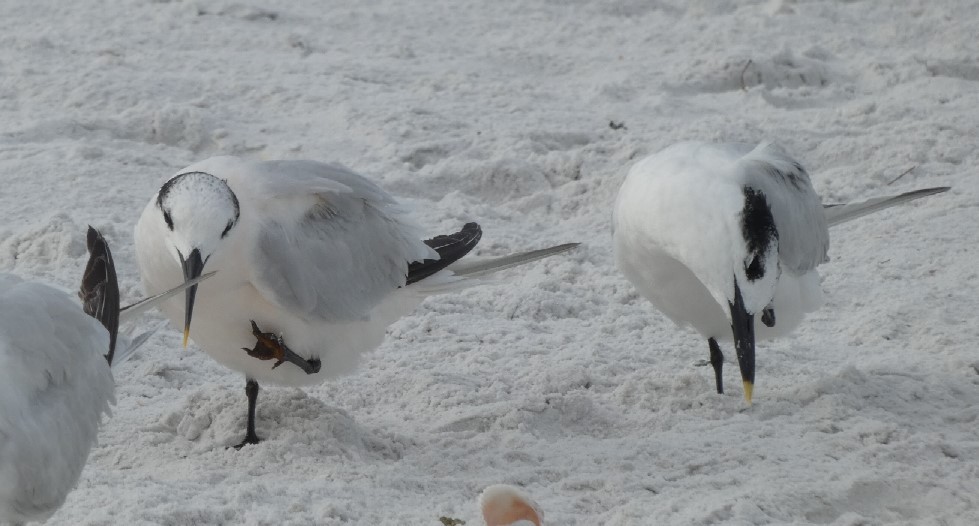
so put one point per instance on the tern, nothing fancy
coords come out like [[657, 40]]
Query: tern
[[56, 358], [313, 262], [721, 236]]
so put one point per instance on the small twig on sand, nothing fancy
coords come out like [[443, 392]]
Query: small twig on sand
[[906, 172], [743, 70]]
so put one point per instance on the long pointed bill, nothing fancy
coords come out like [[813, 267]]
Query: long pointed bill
[[743, 327], [193, 266]]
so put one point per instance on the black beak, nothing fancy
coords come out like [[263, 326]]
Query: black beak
[[743, 327], [193, 266]]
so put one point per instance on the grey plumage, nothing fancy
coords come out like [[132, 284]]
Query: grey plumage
[[841, 213]]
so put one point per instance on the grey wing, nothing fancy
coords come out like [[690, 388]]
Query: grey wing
[[841, 213], [340, 253], [304, 177], [803, 234]]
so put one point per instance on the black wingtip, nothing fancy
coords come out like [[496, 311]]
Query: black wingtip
[[928, 191], [99, 289], [450, 248]]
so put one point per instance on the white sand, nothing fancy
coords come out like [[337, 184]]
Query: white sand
[[559, 379]]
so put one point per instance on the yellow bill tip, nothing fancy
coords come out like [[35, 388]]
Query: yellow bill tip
[[748, 388], [186, 336]]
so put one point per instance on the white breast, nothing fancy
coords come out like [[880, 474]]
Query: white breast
[[227, 302]]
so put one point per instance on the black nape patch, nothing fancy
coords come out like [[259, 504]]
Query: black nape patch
[[758, 229], [234, 202], [167, 186]]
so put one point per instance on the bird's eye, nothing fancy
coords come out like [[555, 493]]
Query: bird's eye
[[754, 270], [227, 228], [168, 219]]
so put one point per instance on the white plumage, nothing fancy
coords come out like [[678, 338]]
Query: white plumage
[[281, 268], [312, 252], [726, 238], [56, 381], [56, 386], [678, 235]]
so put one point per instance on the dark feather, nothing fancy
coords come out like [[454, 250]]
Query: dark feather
[[450, 247], [99, 291], [758, 229]]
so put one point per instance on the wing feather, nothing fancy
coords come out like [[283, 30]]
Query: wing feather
[[841, 213], [331, 244], [803, 234]]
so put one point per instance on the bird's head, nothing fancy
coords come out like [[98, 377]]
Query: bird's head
[[198, 212], [744, 283]]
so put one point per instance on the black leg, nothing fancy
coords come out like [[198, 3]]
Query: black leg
[[717, 361], [251, 390]]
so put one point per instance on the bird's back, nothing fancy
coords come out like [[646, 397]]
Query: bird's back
[[57, 385], [680, 201], [680, 210]]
